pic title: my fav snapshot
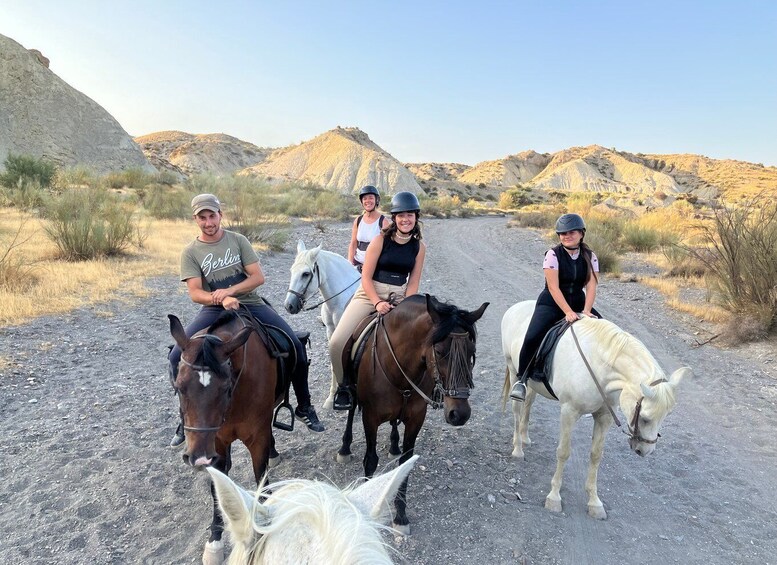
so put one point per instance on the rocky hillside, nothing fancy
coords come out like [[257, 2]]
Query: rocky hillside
[[187, 154], [507, 172], [43, 116], [342, 159]]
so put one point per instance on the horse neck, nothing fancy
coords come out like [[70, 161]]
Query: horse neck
[[632, 364], [335, 273]]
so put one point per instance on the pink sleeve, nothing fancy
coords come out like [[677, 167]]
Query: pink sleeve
[[551, 261], [594, 262]]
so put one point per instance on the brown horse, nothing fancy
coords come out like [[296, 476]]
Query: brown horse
[[227, 388], [421, 353]]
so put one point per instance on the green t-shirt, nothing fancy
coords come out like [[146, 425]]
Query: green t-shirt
[[220, 264]]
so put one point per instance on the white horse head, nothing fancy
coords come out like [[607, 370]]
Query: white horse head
[[305, 522], [627, 373], [333, 275]]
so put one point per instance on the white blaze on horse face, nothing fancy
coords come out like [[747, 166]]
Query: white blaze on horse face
[[204, 378]]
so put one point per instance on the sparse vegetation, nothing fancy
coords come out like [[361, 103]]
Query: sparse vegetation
[[25, 169]]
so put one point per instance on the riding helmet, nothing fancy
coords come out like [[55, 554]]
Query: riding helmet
[[570, 222], [405, 202], [369, 189]]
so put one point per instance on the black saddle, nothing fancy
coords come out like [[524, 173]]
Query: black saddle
[[541, 365]]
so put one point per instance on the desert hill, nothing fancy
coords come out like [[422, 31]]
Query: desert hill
[[43, 116], [342, 159], [187, 154], [507, 172]]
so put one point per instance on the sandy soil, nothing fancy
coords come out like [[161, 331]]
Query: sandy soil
[[88, 412]]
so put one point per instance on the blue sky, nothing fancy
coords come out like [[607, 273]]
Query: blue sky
[[428, 81]]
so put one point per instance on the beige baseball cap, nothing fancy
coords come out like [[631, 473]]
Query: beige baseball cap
[[205, 202]]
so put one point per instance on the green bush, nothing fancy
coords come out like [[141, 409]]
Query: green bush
[[167, 203], [741, 258], [542, 219], [603, 236], [133, 177], [26, 194], [514, 198], [89, 223], [26, 168], [78, 176], [639, 238]]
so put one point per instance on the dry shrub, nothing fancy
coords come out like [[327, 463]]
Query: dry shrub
[[15, 271]]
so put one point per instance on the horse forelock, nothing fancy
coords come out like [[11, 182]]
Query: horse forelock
[[312, 521], [451, 318]]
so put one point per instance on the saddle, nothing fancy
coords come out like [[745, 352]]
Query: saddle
[[280, 347], [354, 348], [541, 365]]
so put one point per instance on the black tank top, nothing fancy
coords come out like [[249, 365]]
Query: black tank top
[[396, 261], [572, 278]]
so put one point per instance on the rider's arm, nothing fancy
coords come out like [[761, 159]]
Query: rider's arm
[[590, 295], [551, 277], [370, 263], [354, 243], [415, 275]]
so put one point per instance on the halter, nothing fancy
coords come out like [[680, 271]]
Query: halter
[[228, 364], [633, 426], [303, 299], [455, 372]]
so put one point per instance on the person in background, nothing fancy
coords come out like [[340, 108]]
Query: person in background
[[222, 271], [571, 278], [368, 225], [391, 271]]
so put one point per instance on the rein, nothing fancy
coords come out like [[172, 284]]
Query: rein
[[633, 426], [301, 295], [227, 363], [439, 391]]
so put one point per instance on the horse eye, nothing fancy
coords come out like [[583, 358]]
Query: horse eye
[[304, 275]]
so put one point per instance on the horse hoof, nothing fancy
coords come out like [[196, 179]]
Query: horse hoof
[[395, 452], [401, 529], [329, 403], [518, 454], [214, 553], [273, 461], [553, 505], [344, 458], [597, 512]]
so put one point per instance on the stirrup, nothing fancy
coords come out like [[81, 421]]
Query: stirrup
[[518, 392], [280, 424], [343, 390]]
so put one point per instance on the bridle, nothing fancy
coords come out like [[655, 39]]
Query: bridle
[[633, 426], [233, 381], [459, 378], [302, 295]]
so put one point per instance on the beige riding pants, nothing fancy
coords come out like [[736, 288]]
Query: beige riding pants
[[358, 308]]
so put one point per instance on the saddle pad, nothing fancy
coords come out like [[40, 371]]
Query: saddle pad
[[366, 330]]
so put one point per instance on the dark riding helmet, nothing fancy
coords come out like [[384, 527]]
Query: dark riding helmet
[[369, 189], [405, 202], [570, 222]]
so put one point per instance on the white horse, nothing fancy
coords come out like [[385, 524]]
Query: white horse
[[302, 522], [332, 274], [627, 373]]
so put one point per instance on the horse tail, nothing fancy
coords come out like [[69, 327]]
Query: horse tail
[[506, 389]]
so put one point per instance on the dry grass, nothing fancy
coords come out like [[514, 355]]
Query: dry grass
[[61, 286], [672, 289]]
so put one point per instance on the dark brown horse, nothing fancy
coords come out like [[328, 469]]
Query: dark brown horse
[[227, 388], [421, 353]]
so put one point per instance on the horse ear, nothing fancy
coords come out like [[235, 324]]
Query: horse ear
[[373, 497], [176, 330], [680, 374], [315, 251], [300, 246], [647, 391], [475, 315], [237, 506], [239, 339], [431, 308]]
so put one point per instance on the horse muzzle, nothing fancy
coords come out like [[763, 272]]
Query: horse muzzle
[[457, 412], [292, 304], [640, 447]]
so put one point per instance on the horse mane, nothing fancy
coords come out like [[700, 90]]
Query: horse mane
[[207, 354], [322, 510], [452, 317]]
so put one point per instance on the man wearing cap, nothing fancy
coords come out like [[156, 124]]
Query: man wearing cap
[[222, 271]]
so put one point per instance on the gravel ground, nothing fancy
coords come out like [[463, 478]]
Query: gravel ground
[[88, 412]]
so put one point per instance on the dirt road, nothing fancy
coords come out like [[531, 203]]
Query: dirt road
[[87, 414]]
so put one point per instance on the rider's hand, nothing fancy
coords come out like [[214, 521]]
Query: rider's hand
[[230, 303], [218, 295], [383, 307], [589, 314], [572, 317]]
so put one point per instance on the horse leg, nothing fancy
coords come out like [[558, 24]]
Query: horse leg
[[371, 450], [568, 418], [394, 447], [524, 425], [345, 455], [400, 523], [275, 457], [602, 423], [330, 400], [214, 549]]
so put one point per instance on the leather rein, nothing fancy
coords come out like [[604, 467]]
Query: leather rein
[[633, 426], [301, 295], [439, 391]]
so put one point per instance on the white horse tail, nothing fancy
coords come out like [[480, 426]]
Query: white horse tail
[[506, 389]]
